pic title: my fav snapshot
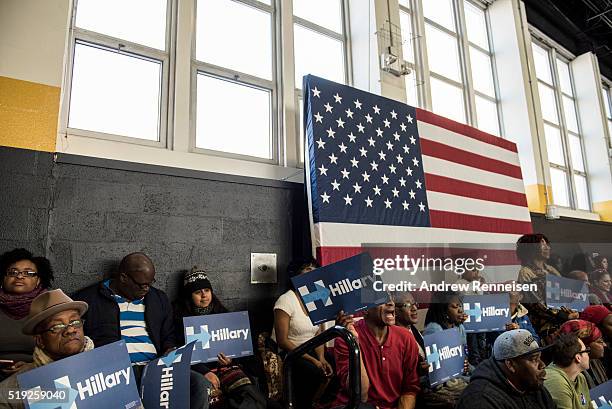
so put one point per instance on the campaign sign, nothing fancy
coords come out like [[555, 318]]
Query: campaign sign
[[165, 381], [445, 355], [343, 286], [486, 313], [229, 333], [565, 292], [98, 379], [601, 396]]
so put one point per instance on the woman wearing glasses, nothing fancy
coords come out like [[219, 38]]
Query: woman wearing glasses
[[24, 277]]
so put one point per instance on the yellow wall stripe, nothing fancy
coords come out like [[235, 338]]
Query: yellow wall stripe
[[536, 198], [28, 114], [604, 209]]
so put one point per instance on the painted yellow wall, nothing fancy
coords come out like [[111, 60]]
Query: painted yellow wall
[[28, 114], [536, 197], [604, 209]]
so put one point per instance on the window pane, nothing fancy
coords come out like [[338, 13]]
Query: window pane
[[607, 101], [542, 64], [576, 152], [440, 11], [114, 93], [447, 100], [407, 36], [137, 21], [219, 103], [245, 45], [405, 3], [564, 77], [547, 101], [582, 193], [476, 25], [554, 146], [317, 54], [326, 13], [411, 89], [442, 53], [486, 112], [481, 72], [569, 110], [559, 187]]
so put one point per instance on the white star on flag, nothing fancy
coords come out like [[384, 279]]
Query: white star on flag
[[415, 161], [328, 108], [342, 147], [412, 140], [331, 133], [395, 192], [333, 158], [418, 184], [357, 104], [389, 146], [348, 200], [409, 118], [360, 128], [363, 151], [321, 144], [406, 149], [336, 185], [352, 137], [393, 114], [345, 173], [368, 118], [387, 123], [374, 165], [382, 155], [379, 132], [402, 182], [318, 117], [340, 123], [338, 98], [354, 162], [399, 159], [371, 141], [357, 188], [316, 92], [403, 126], [366, 176], [396, 136], [412, 194], [376, 190], [368, 202], [385, 179], [376, 109], [392, 168], [388, 203], [349, 113], [323, 170], [325, 197], [421, 207], [406, 205]]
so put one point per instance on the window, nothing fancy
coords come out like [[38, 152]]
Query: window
[[607, 94], [235, 78], [119, 72], [561, 127], [459, 61], [319, 47]]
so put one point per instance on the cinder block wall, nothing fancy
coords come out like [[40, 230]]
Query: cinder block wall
[[85, 214]]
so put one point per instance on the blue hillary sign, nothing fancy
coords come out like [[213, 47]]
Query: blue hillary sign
[[229, 333], [98, 379], [343, 286], [165, 381], [445, 355], [601, 396], [565, 292], [486, 313]]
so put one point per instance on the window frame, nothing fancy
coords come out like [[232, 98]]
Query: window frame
[[298, 93], [134, 50], [556, 52], [606, 85], [424, 73], [243, 79]]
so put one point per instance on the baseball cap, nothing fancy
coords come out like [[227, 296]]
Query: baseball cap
[[515, 343]]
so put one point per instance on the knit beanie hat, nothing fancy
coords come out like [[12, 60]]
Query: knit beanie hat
[[195, 280]]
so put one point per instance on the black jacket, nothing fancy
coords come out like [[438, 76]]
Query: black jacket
[[102, 317], [489, 389]]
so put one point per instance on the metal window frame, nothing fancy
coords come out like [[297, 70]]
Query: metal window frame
[[134, 50], [240, 78], [553, 55], [343, 37], [421, 64]]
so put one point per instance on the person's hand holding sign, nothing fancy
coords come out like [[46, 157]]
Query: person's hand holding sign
[[213, 379], [224, 360], [512, 325], [347, 322]]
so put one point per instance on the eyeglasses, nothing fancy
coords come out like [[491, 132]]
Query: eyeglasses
[[60, 328], [407, 305], [585, 351], [142, 286], [17, 273]]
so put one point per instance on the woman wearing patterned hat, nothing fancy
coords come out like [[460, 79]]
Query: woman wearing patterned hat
[[592, 337], [232, 387]]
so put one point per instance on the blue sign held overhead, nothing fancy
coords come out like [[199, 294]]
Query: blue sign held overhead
[[445, 356], [601, 396], [486, 313], [229, 333], [343, 286], [98, 379], [565, 292]]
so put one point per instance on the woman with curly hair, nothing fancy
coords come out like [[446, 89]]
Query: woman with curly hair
[[24, 277], [533, 251]]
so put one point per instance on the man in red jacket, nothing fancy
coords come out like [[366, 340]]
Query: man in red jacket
[[389, 359]]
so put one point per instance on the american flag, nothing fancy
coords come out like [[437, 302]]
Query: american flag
[[380, 171]]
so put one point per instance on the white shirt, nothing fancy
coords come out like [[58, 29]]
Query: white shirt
[[300, 326]]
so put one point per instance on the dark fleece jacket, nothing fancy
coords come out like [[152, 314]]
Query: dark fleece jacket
[[489, 389]]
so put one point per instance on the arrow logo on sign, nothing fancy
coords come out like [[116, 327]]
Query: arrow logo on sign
[[203, 336], [71, 395], [321, 293], [475, 312]]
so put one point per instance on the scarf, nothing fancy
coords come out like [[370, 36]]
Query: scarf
[[40, 357], [203, 310], [17, 306]]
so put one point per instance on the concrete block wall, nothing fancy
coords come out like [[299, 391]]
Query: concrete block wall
[[85, 218]]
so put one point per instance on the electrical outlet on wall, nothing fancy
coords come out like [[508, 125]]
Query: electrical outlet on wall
[[263, 268]]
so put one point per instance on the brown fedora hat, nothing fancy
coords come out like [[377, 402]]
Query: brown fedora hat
[[48, 304]]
